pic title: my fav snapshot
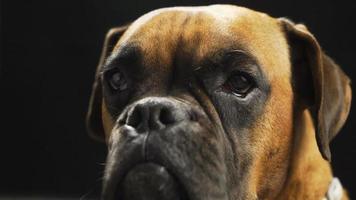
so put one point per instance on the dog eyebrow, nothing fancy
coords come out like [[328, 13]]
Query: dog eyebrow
[[242, 55], [236, 58], [239, 51], [246, 61], [128, 54]]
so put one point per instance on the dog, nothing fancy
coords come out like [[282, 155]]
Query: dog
[[217, 102]]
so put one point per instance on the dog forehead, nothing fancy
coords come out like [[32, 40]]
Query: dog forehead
[[201, 31]]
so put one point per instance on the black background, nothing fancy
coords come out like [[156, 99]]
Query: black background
[[49, 51]]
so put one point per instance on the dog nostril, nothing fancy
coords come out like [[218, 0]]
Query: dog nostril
[[154, 115], [166, 117], [135, 117]]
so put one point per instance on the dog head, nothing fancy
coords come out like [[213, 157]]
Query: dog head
[[203, 102]]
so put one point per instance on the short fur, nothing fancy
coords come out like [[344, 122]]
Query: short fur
[[274, 145]]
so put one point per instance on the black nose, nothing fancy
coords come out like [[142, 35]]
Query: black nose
[[155, 114]]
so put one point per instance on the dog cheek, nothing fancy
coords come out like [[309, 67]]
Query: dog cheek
[[272, 142]]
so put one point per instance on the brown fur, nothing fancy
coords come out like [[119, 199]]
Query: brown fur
[[287, 163]]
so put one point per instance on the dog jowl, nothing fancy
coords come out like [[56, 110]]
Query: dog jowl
[[216, 102]]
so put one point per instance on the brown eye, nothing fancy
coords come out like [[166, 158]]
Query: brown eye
[[117, 81], [239, 84]]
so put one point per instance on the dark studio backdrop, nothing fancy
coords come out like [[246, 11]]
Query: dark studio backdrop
[[49, 52]]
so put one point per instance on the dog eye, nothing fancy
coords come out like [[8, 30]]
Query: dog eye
[[239, 84], [117, 81]]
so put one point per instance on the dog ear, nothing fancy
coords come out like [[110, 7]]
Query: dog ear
[[330, 97], [93, 119]]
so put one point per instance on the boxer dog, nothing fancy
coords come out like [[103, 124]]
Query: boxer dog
[[217, 102]]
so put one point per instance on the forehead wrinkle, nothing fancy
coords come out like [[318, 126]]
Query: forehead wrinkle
[[160, 37], [217, 26], [231, 57], [206, 20]]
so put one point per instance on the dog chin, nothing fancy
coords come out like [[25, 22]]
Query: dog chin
[[150, 181]]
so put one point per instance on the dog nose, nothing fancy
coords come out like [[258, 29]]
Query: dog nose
[[155, 113]]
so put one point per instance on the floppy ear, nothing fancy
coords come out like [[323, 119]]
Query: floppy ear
[[93, 119], [324, 86]]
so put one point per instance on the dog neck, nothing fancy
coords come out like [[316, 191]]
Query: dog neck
[[309, 175]]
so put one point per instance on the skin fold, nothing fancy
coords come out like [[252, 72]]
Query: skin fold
[[175, 120]]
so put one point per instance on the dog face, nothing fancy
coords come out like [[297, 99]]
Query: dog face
[[203, 102]]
